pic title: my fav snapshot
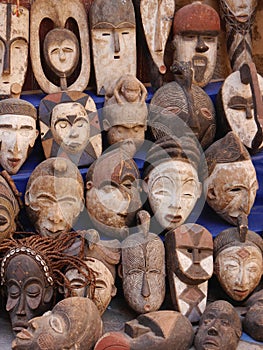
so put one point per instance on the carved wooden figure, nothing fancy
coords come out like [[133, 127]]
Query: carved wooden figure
[[60, 48], [113, 192], [253, 321], [238, 256], [239, 17], [230, 185], [171, 180], [70, 127], [189, 261], [157, 18], [14, 40], [18, 133], [73, 323], [240, 106], [113, 39], [180, 108], [159, 330], [196, 27], [10, 204], [143, 268], [31, 271], [219, 327], [125, 113], [54, 196]]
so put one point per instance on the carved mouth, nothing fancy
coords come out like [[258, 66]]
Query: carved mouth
[[13, 162], [211, 343], [24, 335], [19, 327], [242, 18], [175, 219], [241, 293]]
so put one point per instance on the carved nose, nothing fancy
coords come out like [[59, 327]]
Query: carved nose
[[145, 287], [212, 331], [21, 307], [201, 46], [116, 42]]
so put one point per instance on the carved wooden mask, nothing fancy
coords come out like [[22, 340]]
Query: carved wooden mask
[[29, 291], [231, 186], [196, 28], [157, 18], [70, 127], [112, 196], [113, 40], [189, 258], [74, 323], [60, 47], [9, 205], [125, 113], [240, 107], [238, 264], [17, 132], [54, 196], [104, 287], [143, 272], [219, 325], [176, 110], [14, 39]]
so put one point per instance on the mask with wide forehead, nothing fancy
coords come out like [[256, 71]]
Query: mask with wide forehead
[[238, 261], [219, 324], [14, 38], [231, 185], [195, 31], [54, 196], [112, 197], [73, 323], [113, 39], [17, 133], [70, 127]]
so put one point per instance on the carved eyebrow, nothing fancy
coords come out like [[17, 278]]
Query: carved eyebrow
[[239, 102], [46, 196], [6, 126], [81, 118], [26, 127]]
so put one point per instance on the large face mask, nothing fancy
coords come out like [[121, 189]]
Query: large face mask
[[143, 273], [173, 189], [17, 134], [231, 189], [104, 287], [239, 109], [201, 50], [239, 270], [54, 204], [70, 127], [113, 41], [14, 37], [189, 261], [28, 292], [74, 323], [157, 20], [219, 327]]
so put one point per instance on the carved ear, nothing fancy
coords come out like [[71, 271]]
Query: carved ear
[[106, 124], [48, 294], [27, 198], [113, 291], [145, 185], [89, 185], [199, 189], [211, 194], [120, 271]]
